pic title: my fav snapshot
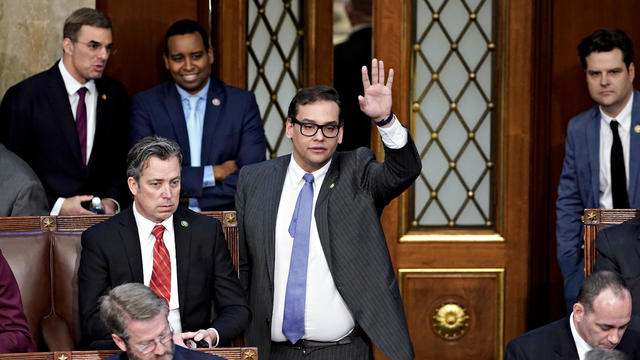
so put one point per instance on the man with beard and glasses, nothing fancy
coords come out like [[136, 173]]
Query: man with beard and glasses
[[137, 319]]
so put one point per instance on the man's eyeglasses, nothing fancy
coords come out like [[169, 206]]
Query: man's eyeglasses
[[95, 46], [310, 129], [148, 347]]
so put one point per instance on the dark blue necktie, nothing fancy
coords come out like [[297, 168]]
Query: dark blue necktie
[[299, 229]]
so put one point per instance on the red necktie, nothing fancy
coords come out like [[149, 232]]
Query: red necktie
[[161, 274], [81, 124]]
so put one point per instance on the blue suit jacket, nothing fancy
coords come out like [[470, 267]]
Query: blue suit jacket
[[579, 187], [232, 131]]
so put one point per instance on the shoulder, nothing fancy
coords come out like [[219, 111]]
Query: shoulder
[[157, 92], [621, 232], [265, 167], [109, 84], [193, 218], [35, 82], [14, 166], [109, 225], [589, 117], [557, 331], [231, 94]]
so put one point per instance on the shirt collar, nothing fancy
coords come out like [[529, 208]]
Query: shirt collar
[[624, 117], [296, 172], [581, 346], [202, 94], [71, 84], [145, 225]]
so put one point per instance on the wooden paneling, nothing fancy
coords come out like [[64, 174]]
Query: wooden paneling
[[229, 33], [138, 33], [472, 329]]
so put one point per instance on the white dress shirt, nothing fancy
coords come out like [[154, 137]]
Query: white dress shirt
[[582, 346], [327, 317], [606, 139], [147, 240]]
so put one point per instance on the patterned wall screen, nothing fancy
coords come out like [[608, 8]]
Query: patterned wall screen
[[453, 112], [274, 59]]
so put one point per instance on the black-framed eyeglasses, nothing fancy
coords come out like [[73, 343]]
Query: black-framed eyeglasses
[[148, 347], [310, 129]]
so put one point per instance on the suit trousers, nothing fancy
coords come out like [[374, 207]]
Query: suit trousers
[[358, 349]]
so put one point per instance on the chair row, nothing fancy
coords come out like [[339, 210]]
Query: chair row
[[44, 254]]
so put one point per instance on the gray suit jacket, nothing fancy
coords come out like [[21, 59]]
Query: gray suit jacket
[[353, 194], [21, 193]]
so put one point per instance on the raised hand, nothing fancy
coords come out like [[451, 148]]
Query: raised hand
[[376, 102]]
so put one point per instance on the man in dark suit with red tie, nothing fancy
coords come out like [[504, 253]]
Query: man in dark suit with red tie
[[70, 123], [180, 254]]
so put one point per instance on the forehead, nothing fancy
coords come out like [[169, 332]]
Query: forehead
[[92, 33], [611, 309], [605, 60], [185, 42], [155, 168], [319, 111], [148, 329]]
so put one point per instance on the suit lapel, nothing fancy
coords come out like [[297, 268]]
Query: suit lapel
[[634, 152], [175, 114], [272, 193], [102, 119], [183, 236], [322, 207], [211, 116], [565, 345], [131, 243], [59, 102], [593, 150]]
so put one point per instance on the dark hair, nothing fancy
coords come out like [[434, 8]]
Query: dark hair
[[598, 282], [185, 26], [311, 95], [84, 16], [604, 40], [147, 147], [126, 302]]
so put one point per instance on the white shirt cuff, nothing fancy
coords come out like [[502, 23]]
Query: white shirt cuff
[[394, 136], [55, 211], [217, 337]]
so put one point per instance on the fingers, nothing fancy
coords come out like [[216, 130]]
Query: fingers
[[374, 71], [390, 79], [365, 77]]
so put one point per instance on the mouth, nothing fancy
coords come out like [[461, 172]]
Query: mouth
[[317, 149], [190, 77], [98, 68]]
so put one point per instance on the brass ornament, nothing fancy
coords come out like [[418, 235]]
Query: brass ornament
[[450, 321], [591, 216], [249, 354], [230, 218], [636, 129], [48, 222]]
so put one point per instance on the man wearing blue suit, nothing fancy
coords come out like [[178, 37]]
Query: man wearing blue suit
[[217, 126], [601, 168]]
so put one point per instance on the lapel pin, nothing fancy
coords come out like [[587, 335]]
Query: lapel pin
[[104, 96], [215, 102], [636, 129], [332, 185], [184, 223]]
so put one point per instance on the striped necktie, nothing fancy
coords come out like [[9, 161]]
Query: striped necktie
[[161, 273]]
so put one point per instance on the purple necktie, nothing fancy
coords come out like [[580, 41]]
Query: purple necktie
[[81, 123], [299, 229]]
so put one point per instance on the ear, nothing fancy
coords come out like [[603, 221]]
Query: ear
[[133, 185], [67, 46], [632, 71], [121, 344], [578, 312], [166, 61], [289, 128], [210, 55], [340, 133]]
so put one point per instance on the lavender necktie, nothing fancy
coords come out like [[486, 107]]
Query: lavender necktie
[[81, 123], [299, 229]]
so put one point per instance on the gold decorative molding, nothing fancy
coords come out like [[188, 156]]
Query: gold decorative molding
[[443, 237], [249, 355], [450, 321], [48, 222]]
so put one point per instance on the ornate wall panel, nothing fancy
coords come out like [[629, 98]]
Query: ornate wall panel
[[455, 313]]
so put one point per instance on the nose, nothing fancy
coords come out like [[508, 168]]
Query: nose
[[160, 348], [604, 80], [166, 190], [188, 64], [614, 336]]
